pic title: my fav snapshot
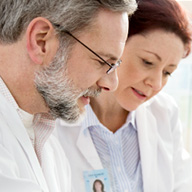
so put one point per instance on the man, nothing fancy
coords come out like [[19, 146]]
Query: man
[[131, 139], [54, 56]]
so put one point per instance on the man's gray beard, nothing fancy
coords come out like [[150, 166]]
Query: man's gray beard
[[59, 92]]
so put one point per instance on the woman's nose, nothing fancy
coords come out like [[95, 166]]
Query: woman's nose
[[155, 81]]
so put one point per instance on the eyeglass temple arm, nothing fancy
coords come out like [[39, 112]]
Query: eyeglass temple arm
[[65, 31]]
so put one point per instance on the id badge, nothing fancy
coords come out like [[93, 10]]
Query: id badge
[[97, 180]]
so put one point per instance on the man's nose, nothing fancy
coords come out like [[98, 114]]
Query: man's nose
[[109, 82]]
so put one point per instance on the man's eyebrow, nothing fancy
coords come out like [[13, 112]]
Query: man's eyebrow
[[108, 56]]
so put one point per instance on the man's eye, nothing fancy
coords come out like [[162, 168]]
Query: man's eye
[[101, 63]]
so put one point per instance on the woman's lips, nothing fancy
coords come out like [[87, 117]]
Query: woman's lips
[[139, 94]]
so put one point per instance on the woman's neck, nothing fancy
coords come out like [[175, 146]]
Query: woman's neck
[[108, 111]]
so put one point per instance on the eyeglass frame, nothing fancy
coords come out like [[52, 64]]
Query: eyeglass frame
[[112, 66]]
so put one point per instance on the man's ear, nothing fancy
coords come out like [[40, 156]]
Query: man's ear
[[39, 34]]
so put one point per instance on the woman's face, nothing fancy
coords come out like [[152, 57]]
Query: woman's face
[[98, 186], [148, 61]]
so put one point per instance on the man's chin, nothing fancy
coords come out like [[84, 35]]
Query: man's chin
[[81, 117], [71, 115], [76, 120]]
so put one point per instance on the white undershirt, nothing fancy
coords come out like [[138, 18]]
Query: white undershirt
[[27, 120]]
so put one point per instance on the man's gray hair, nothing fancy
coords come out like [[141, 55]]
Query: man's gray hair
[[73, 15]]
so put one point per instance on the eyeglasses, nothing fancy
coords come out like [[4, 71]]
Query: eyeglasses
[[112, 66]]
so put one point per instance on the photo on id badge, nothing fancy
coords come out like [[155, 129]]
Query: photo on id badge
[[96, 181]]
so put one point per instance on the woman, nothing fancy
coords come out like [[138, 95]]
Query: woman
[[98, 186], [134, 133]]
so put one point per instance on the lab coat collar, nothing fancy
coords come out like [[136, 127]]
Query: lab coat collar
[[87, 148], [148, 137], [85, 143], [18, 129]]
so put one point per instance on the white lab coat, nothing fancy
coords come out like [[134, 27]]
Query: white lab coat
[[20, 170], [166, 166]]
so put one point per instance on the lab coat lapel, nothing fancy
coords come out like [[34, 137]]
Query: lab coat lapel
[[87, 148], [19, 131], [147, 133]]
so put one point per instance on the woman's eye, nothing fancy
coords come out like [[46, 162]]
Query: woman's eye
[[166, 73], [147, 62]]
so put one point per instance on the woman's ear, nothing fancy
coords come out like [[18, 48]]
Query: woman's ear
[[39, 33]]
